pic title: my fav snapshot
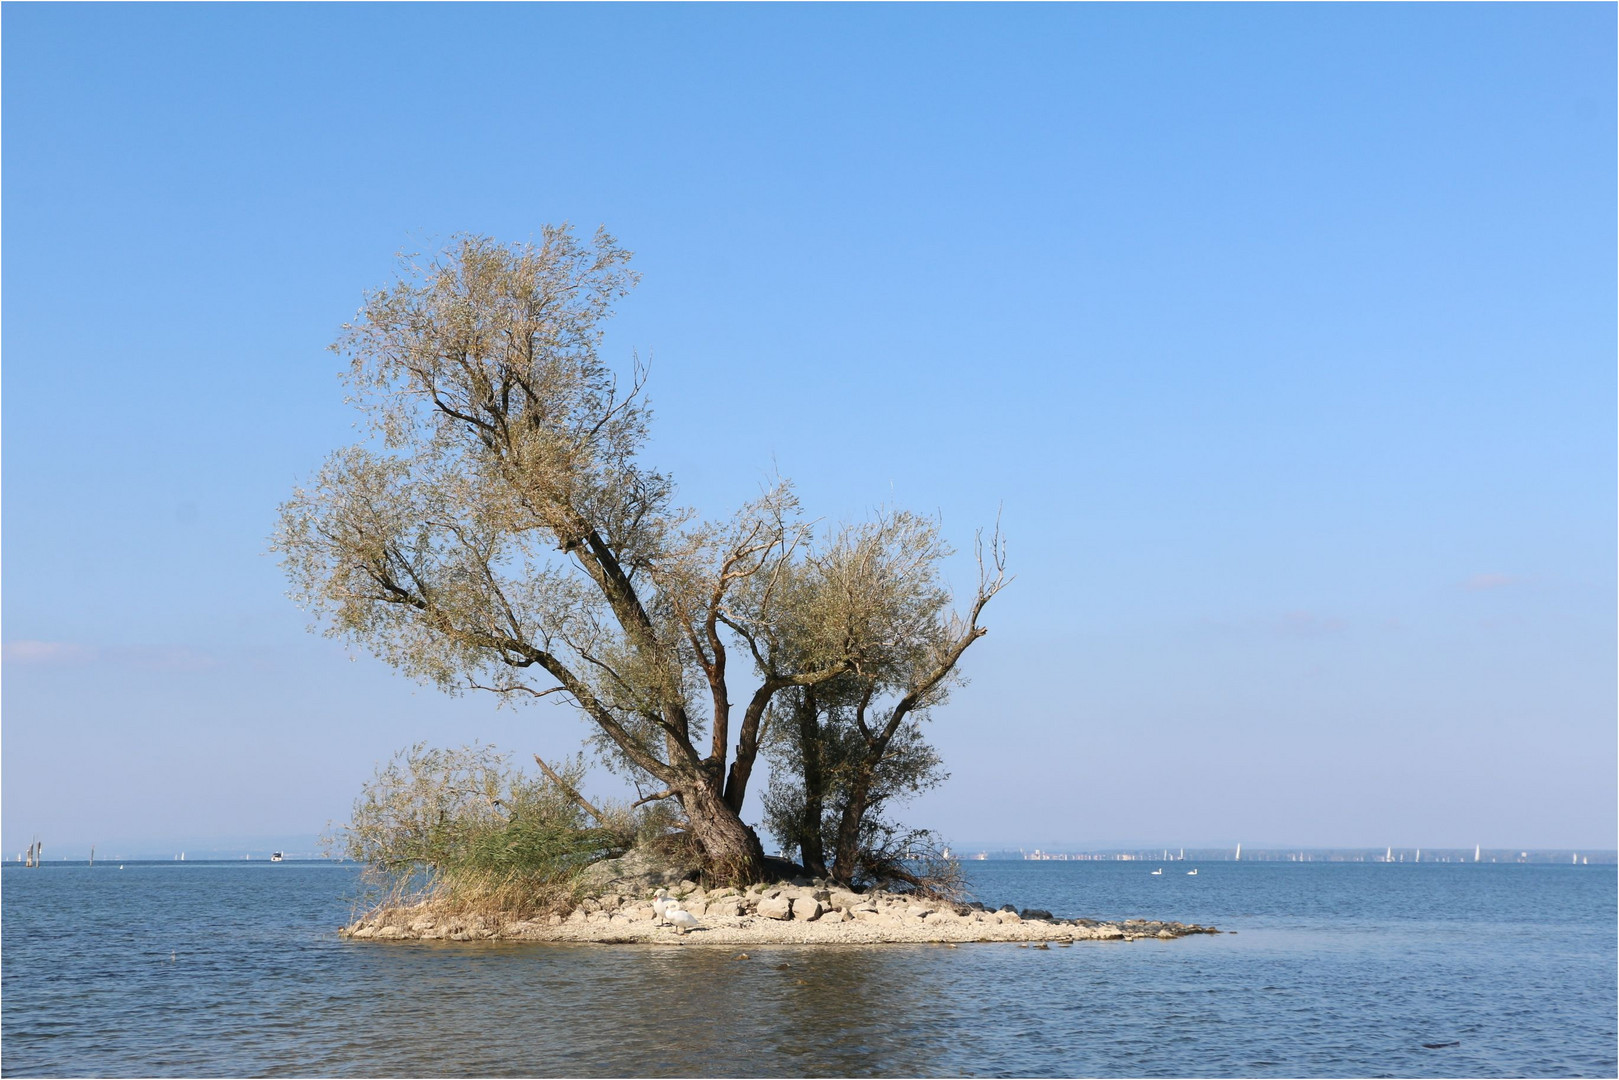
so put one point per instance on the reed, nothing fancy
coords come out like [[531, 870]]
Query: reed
[[461, 831]]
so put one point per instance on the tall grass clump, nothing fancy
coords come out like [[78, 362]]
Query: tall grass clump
[[465, 832]]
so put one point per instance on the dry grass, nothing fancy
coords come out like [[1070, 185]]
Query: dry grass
[[495, 898], [463, 832]]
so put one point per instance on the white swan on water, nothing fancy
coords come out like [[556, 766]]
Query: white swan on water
[[683, 919], [1158, 872], [1191, 873]]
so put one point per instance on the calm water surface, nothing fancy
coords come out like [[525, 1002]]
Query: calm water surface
[[1337, 969]]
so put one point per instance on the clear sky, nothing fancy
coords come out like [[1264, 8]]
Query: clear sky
[[1284, 334]]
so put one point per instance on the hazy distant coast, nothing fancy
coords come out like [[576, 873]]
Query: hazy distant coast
[[1272, 853]]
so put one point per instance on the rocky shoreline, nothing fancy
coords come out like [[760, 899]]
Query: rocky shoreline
[[786, 913]]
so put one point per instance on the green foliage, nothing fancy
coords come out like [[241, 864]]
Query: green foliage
[[894, 772], [464, 824]]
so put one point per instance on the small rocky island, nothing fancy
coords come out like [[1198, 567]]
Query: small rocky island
[[616, 905]]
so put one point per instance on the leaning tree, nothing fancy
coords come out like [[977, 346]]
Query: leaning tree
[[497, 531]]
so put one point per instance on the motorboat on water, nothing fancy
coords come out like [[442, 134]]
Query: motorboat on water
[[276, 856]]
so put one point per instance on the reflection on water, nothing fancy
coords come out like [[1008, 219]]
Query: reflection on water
[[162, 970]]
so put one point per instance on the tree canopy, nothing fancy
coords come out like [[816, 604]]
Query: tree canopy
[[498, 531]]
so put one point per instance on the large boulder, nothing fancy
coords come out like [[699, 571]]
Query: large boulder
[[637, 873], [806, 909], [775, 907]]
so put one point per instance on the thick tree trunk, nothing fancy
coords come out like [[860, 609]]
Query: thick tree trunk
[[731, 848]]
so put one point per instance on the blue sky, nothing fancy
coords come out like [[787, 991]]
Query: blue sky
[[1283, 334]]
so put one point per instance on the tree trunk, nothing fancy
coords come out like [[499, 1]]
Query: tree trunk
[[731, 848], [846, 858], [811, 849]]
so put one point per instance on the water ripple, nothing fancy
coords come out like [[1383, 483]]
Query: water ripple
[[167, 971]]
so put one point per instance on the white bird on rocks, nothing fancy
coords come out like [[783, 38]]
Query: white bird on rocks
[[661, 903], [683, 919]]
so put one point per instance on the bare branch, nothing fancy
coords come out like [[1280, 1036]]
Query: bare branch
[[570, 791]]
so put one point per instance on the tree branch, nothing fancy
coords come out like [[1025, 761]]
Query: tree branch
[[570, 791]]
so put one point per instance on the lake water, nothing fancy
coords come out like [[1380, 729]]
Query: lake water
[[1336, 969]]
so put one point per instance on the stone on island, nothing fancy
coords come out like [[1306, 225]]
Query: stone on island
[[786, 913]]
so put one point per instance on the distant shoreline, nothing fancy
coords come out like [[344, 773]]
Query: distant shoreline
[[1315, 858], [1424, 856], [1480, 855]]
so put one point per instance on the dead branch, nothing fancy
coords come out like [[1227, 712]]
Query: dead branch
[[570, 791]]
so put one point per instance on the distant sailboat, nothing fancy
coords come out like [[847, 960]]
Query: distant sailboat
[[1419, 854], [1239, 853], [1475, 852]]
